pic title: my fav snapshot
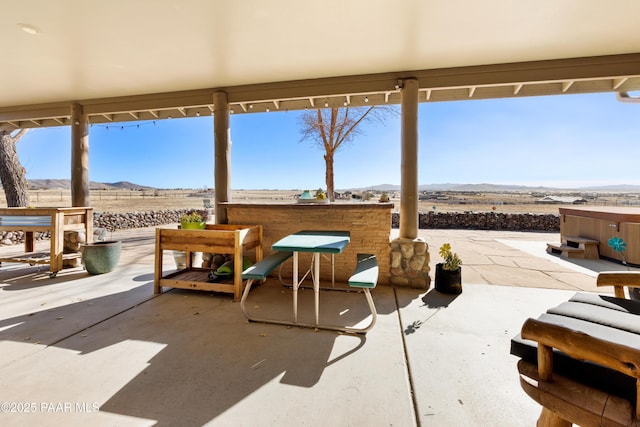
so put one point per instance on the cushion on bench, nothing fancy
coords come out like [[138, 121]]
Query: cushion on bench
[[261, 269], [366, 273], [613, 319]]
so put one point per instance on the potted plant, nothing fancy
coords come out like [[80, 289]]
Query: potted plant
[[321, 195], [192, 221], [101, 257], [449, 272]]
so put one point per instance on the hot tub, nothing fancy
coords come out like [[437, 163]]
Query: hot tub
[[603, 223]]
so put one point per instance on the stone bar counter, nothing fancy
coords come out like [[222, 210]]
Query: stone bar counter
[[368, 222]]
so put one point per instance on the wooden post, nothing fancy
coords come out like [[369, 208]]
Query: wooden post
[[222, 152], [409, 161], [79, 157]]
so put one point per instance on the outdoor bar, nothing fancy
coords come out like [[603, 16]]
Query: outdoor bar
[[369, 225], [601, 224]]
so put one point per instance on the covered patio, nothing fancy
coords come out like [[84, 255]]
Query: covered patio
[[104, 350]]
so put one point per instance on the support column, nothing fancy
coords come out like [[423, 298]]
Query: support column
[[79, 157], [409, 254], [409, 159], [222, 152]]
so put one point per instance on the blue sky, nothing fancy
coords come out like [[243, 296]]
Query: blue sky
[[565, 141]]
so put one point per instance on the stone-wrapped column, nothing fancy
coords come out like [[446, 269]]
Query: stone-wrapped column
[[409, 262]]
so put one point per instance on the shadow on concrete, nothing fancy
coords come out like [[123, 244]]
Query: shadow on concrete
[[30, 277], [433, 300], [203, 356]]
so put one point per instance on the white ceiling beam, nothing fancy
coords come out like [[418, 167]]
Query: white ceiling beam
[[386, 96], [153, 113], [59, 120], [276, 104], [567, 85], [311, 101], [619, 82], [108, 117], [428, 94], [182, 111], [517, 88], [134, 114], [36, 122], [243, 106], [472, 91], [17, 126]]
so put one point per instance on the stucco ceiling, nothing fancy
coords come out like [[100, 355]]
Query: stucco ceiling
[[86, 50]]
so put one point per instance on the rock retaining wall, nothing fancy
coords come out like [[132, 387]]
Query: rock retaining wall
[[430, 220], [120, 221], [484, 221], [112, 222]]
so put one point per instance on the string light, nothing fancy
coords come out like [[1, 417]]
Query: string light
[[123, 126]]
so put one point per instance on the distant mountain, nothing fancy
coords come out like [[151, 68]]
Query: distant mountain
[[499, 188], [65, 184]]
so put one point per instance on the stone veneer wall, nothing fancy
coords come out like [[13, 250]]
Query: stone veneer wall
[[485, 221], [368, 223], [409, 263], [430, 220], [111, 221]]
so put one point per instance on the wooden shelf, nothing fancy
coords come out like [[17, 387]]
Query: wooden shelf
[[54, 220], [217, 239], [37, 257]]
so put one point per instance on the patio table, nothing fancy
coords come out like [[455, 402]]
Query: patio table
[[316, 242], [54, 220]]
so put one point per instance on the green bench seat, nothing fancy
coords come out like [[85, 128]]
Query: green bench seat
[[365, 278], [366, 274], [261, 269]]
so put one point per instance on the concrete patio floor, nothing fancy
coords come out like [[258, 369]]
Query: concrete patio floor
[[103, 350]]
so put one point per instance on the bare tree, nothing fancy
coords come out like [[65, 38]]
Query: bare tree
[[331, 128], [12, 174]]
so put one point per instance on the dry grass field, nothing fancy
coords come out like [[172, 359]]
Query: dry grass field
[[153, 200]]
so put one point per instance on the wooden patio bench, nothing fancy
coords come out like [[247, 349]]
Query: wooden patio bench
[[581, 360]]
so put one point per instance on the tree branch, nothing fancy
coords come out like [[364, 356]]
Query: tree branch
[[16, 137]]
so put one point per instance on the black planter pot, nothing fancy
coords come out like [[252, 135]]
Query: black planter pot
[[447, 281]]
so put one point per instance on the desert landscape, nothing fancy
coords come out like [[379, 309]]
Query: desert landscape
[[142, 200]]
